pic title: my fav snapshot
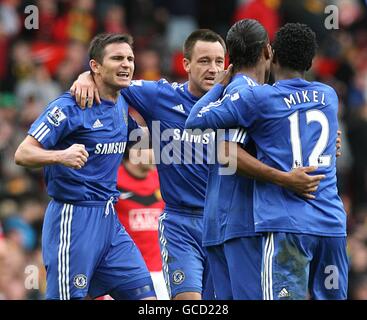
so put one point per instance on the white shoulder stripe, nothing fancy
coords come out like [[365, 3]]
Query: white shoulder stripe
[[234, 138], [40, 132], [43, 135], [241, 139], [239, 136], [34, 133]]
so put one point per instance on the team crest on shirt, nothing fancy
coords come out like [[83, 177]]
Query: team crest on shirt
[[80, 281], [56, 116], [178, 277]]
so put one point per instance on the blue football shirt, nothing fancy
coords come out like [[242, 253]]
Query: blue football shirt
[[181, 158], [103, 130], [293, 123], [229, 198]]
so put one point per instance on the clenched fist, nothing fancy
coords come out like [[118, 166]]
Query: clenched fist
[[75, 156]]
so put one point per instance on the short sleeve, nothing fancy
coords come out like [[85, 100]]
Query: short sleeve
[[56, 122], [238, 135]]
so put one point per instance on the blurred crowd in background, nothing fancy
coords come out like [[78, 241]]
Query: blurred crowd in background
[[38, 65]]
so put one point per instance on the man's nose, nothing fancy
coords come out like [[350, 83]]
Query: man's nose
[[125, 63], [213, 67]]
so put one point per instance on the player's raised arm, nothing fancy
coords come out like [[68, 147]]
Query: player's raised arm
[[234, 109], [30, 153], [85, 90], [211, 99], [143, 96]]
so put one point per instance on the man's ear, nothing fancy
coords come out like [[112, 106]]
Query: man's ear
[[94, 66], [275, 58], [186, 64], [268, 52]]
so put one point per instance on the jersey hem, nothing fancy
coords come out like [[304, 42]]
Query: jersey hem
[[314, 233], [194, 211], [101, 203], [220, 242]]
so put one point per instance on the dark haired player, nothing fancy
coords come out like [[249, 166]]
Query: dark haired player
[[293, 123], [85, 249]]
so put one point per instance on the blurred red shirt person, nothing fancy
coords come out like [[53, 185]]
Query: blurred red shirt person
[[139, 208]]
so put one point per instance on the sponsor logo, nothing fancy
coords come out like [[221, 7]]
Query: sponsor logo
[[97, 124], [179, 108], [284, 293], [110, 148], [145, 219]]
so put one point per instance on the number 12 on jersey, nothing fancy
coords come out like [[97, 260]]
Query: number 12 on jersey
[[316, 157]]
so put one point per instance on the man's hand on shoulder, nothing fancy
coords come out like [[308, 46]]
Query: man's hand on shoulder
[[85, 91]]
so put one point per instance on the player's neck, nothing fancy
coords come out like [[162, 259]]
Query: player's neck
[[284, 74], [135, 171], [194, 90], [253, 73], [106, 92]]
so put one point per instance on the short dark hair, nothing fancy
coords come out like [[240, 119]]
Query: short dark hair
[[295, 46], [100, 42], [246, 40], [201, 35]]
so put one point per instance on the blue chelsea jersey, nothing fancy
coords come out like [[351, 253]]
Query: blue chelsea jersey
[[229, 199], [165, 107], [293, 123], [103, 131]]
